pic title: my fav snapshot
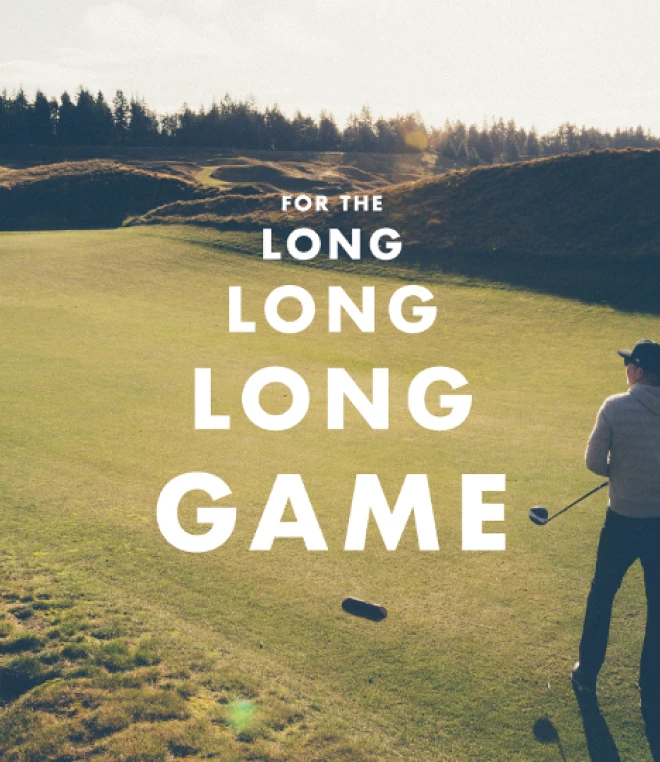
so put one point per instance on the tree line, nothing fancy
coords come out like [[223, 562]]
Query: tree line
[[506, 142], [92, 120]]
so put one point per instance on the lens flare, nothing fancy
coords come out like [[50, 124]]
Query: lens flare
[[240, 715], [417, 139]]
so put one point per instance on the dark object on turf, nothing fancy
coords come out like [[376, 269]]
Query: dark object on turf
[[366, 610], [539, 515]]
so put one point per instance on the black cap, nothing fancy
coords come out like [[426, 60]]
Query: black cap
[[645, 354]]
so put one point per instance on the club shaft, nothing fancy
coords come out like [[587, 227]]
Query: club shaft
[[579, 500]]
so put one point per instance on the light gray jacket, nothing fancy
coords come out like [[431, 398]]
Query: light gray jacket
[[625, 445]]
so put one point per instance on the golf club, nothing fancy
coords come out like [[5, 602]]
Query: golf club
[[539, 515]]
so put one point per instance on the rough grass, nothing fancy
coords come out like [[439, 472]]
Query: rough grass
[[101, 331], [83, 678], [86, 194]]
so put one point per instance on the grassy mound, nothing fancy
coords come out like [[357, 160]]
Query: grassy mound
[[584, 226], [294, 179], [320, 177], [597, 203], [229, 210], [85, 194], [322, 172]]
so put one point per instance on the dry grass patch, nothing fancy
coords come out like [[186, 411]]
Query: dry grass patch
[[81, 679]]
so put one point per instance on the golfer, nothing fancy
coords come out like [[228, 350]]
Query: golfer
[[625, 446]]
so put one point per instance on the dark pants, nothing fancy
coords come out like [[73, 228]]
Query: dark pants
[[622, 541]]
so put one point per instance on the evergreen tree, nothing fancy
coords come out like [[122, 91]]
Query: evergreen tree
[[568, 137], [143, 125], [103, 124], [497, 134], [390, 136], [19, 114], [120, 116], [511, 147], [42, 127], [460, 136], [4, 118], [84, 118], [244, 124], [66, 121], [473, 136], [532, 147], [169, 125], [473, 157], [305, 131], [447, 145], [359, 134], [411, 131], [185, 133], [210, 123], [485, 146], [279, 135], [329, 134]]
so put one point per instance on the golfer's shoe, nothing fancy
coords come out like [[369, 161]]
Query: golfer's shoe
[[582, 682]]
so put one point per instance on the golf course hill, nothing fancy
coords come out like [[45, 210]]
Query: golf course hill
[[327, 173], [85, 194], [582, 225]]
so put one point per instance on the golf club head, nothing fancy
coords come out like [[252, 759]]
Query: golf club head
[[538, 515]]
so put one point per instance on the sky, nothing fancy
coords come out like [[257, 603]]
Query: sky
[[592, 62]]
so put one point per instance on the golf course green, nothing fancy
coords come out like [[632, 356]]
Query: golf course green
[[100, 333]]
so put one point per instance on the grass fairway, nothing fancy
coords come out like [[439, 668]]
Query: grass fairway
[[100, 334]]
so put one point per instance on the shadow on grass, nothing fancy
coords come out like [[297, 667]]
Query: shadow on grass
[[652, 724], [600, 743], [545, 732], [626, 284]]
